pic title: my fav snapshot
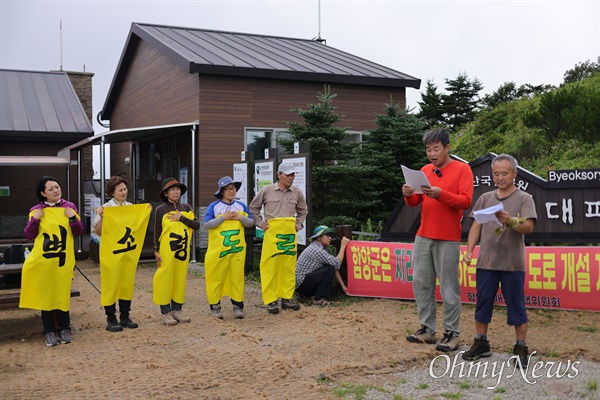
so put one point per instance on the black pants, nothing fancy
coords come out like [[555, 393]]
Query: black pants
[[124, 308], [240, 304], [318, 283], [55, 320]]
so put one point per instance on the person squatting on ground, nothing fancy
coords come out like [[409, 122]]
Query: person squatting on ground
[[49, 269], [501, 258], [173, 225], [225, 220], [282, 201], [437, 243], [117, 277], [316, 268]]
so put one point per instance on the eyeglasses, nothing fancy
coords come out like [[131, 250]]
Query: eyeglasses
[[230, 189], [328, 235], [437, 172]]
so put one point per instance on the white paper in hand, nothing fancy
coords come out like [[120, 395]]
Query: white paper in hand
[[488, 214], [415, 179]]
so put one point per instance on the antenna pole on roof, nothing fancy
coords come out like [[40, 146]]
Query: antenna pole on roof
[[318, 38], [61, 45]]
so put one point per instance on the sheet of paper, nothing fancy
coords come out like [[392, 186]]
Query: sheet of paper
[[488, 214], [415, 179]]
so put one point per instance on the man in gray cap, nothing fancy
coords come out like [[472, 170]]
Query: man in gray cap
[[280, 199]]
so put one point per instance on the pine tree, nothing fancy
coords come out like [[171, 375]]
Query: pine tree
[[462, 101], [397, 141], [338, 185], [431, 106]]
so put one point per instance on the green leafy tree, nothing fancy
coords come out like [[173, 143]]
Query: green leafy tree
[[570, 111], [461, 102], [581, 71], [336, 179], [397, 140], [432, 110]]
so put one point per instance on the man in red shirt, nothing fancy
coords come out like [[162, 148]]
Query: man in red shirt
[[437, 244]]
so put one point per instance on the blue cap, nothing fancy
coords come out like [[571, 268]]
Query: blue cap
[[224, 181]]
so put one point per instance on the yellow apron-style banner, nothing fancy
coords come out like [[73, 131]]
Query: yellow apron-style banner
[[48, 271], [170, 278], [224, 261], [278, 260], [123, 233]]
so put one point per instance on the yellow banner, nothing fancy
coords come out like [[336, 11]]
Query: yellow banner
[[123, 233], [48, 271], [278, 260], [170, 278], [224, 261]]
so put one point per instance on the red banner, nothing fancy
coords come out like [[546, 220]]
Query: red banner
[[566, 278]]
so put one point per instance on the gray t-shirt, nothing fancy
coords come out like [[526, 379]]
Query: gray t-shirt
[[505, 252]]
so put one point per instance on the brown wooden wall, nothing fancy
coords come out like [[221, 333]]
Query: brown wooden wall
[[22, 181], [158, 92]]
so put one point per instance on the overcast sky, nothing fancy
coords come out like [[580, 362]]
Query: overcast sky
[[495, 41]]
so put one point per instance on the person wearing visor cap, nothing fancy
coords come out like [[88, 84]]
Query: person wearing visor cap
[[173, 225], [280, 200], [225, 220], [316, 268]]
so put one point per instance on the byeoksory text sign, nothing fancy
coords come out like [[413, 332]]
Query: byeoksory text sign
[[566, 278]]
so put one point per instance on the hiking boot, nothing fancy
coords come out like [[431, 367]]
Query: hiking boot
[[51, 339], [126, 322], [289, 304], [167, 319], [112, 325], [65, 336], [449, 342], [179, 317], [273, 308], [302, 298], [238, 312], [422, 336], [480, 348], [215, 311], [523, 353]]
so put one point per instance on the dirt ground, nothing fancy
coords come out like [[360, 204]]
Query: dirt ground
[[304, 354]]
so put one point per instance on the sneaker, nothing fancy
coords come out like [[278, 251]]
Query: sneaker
[[126, 322], [273, 308], [112, 325], [167, 319], [238, 313], [51, 339], [523, 353], [289, 304], [449, 342], [65, 336], [480, 348], [179, 317], [215, 311], [422, 336]]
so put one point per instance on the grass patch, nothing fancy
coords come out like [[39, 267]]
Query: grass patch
[[592, 385], [587, 328], [457, 395], [500, 390], [464, 385], [422, 386], [358, 391]]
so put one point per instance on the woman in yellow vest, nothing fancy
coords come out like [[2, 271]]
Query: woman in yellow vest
[[226, 219], [49, 269], [173, 225], [117, 274]]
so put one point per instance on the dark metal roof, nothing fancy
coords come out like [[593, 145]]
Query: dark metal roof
[[34, 104], [248, 55]]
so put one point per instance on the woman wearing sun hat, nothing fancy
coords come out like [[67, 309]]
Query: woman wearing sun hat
[[225, 220], [316, 268], [173, 225]]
